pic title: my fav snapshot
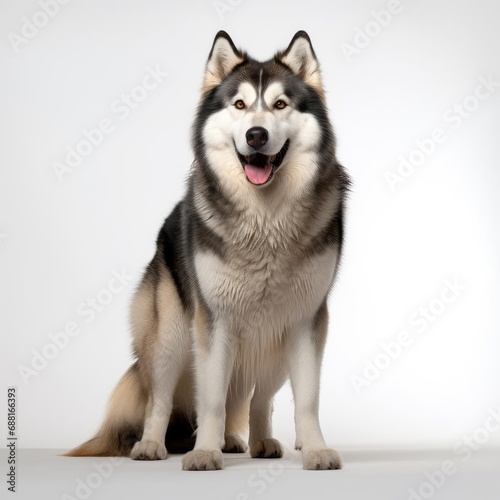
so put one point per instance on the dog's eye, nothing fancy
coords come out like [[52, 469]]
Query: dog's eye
[[280, 104], [239, 104]]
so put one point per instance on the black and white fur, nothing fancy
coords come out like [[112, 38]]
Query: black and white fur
[[234, 301]]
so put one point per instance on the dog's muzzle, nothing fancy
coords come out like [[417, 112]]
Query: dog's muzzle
[[260, 168]]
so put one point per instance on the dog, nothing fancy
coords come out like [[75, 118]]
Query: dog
[[234, 301]]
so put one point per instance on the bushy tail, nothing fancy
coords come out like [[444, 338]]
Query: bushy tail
[[124, 421]]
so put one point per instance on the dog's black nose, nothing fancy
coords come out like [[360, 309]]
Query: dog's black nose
[[257, 137]]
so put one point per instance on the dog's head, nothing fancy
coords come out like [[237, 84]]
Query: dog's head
[[258, 119]]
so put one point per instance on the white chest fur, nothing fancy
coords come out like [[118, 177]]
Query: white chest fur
[[262, 290]]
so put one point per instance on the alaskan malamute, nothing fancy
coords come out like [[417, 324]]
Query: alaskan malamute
[[234, 301]]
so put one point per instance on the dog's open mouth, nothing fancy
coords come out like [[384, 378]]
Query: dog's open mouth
[[260, 168]]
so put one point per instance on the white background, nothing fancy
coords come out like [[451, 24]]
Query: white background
[[60, 241]]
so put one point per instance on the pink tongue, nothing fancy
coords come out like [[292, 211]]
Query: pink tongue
[[258, 175]]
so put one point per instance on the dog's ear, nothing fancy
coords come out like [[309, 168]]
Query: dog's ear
[[301, 59], [222, 59]]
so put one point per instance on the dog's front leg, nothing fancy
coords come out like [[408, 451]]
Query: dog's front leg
[[305, 363], [214, 360]]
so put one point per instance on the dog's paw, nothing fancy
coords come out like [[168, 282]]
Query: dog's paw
[[234, 444], [148, 450], [267, 448], [202, 460], [326, 459]]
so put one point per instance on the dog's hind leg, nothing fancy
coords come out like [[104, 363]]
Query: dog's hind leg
[[166, 353], [237, 408], [262, 443]]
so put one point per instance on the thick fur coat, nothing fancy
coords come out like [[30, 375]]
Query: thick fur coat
[[234, 302]]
